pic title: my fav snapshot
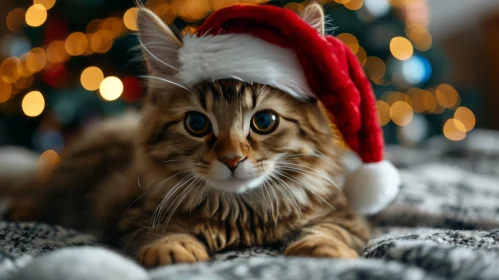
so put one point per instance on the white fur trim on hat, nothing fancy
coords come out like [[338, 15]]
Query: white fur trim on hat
[[242, 57], [372, 187]]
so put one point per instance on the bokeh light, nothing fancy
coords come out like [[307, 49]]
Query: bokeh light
[[362, 55], [48, 161], [466, 117], [350, 40], [91, 78], [401, 113], [5, 91], [354, 5], [10, 69], [48, 4], [76, 44], [111, 88], [375, 68], [15, 19], [36, 59], [33, 104], [383, 112], [452, 132], [130, 19], [56, 52], [36, 15], [446, 95], [102, 41], [401, 48]]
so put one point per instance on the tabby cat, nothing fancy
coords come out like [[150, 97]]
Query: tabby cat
[[222, 165]]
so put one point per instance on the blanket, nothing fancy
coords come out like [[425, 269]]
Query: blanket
[[444, 224]]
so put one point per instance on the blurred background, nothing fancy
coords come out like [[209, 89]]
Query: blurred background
[[65, 64]]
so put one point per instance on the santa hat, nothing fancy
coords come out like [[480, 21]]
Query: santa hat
[[274, 46]]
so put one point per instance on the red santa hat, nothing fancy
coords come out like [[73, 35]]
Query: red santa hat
[[274, 46]]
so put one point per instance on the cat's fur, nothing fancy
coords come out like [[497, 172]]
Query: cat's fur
[[161, 192]]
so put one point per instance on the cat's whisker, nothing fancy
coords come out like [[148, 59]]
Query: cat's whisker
[[174, 189], [277, 204], [169, 196], [289, 177], [145, 48], [270, 200], [320, 155], [158, 184], [183, 196], [289, 195], [305, 169], [166, 81]]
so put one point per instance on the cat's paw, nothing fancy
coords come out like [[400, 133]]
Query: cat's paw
[[320, 247], [177, 248]]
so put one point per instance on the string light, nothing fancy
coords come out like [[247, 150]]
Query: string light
[[91, 78], [130, 18], [354, 5], [56, 52], [102, 41], [350, 40], [111, 88], [5, 91], [10, 69], [36, 15], [33, 104], [76, 44], [48, 4], [375, 68], [401, 48], [466, 117], [36, 59], [452, 132], [383, 112], [401, 113], [446, 95], [15, 19]]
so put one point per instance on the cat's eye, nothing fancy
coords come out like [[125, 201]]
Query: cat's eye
[[265, 122], [197, 124]]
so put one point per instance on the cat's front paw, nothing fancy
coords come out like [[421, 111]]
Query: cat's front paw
[[177, 248], [320, 247]]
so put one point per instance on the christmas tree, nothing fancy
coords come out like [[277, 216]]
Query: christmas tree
[[67, 63]]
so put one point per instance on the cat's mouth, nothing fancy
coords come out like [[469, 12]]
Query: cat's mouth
[[235, 185]]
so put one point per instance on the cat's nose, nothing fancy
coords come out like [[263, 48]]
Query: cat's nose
[[231, 162]]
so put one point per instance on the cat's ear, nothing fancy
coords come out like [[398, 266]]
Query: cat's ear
[[313, 14], [159, 43]]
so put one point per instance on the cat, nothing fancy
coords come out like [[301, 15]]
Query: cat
[[221, 165]]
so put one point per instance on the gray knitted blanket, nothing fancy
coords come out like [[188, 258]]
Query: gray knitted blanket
[[443, 225]]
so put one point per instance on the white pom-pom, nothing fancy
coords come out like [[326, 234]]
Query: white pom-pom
[[372, 187]]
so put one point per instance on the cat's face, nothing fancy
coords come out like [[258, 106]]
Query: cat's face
[[232, 135]]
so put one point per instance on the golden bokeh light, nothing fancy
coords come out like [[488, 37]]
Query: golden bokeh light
[[130, 19], [36, 59], [56, 52], [294, 6], [91, 78], [350, 40], [36, 15], [93, 26], [15, 19], [420, 36], [401, 48], [375, 68], [111, 88], [102, 41], [114, 24], [25, 71], [33, 104], [383, 112], [167, 12], [452, 132], [393, 96], [354, 5], [466, 117], [10, 69], [76, 44], [5, 91], [446, 95], [362, 56], [48, 4], [430, 102], [417, 99], [192, 10], [24, 82], [401, 113]]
